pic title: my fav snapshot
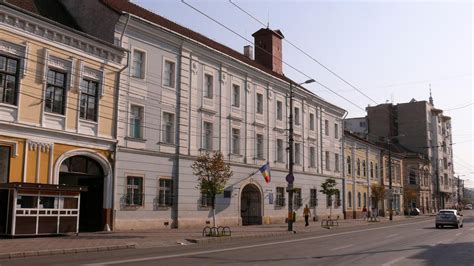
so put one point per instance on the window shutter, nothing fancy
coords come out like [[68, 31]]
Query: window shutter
[[24, 63]]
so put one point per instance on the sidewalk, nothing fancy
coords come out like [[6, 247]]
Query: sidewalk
[[102, 241]]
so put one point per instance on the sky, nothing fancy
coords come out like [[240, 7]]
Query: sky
[[392, 51]]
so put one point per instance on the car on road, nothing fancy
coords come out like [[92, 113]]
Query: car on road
[[468, 207], [449, 217]]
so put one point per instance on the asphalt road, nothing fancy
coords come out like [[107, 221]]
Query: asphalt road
[[412, 242]]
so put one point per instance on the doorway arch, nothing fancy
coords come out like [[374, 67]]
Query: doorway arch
[[251, 205], [86, 167]]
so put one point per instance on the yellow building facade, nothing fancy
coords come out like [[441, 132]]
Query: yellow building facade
[[362, 169], [58, 108]]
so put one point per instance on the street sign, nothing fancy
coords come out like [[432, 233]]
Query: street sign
[[290, 178]]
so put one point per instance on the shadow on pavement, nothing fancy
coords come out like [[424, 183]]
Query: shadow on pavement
[[447, 254]]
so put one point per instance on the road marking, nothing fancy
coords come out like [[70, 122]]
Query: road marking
[[390, 236], [343, 247], [393, 261], [458, 234], [249, 246]]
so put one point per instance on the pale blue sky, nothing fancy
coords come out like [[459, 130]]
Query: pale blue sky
[[391, 50]]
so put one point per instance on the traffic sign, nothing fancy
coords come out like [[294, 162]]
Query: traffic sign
[[290, 178]]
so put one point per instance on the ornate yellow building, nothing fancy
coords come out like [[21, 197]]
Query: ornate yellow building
[[58, 105]]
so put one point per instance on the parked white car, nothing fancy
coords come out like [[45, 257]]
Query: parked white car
[[449, 217]]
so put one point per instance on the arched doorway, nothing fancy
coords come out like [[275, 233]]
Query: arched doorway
[[84, 171], [251, 205]]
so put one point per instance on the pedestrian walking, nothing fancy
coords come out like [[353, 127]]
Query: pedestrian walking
[[364, 211], [306, 213]]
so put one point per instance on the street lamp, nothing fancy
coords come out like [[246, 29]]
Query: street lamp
[[290, 177]]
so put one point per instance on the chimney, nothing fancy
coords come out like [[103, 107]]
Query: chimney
[[248, 51], [268, 49]]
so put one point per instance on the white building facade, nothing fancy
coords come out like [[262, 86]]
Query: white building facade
[[184, 94]]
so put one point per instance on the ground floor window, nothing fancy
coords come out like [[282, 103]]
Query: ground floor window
[[165, 193], [205, 200], [313, 197], [4, 163], [134, 191], [298, 200], [280, 196]]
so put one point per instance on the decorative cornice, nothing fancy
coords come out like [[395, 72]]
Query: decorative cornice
[[29, 25]]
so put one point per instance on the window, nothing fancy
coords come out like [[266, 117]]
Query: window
[[365, 199], [4, 163], [349, 199], [312, 157], [9, 72], [169, 73], [313, 197], [358, 166], [208, 86], [55, 98], [134, 195], [207, 136], [371, 170], [445, 163], [136, 121], [328, 201], [358, 199], [326, 127], [260, 146], [328, 167], [412, 176], [336, 131], [280, 196], [168, 128], [165, 193], [338, 200], [259, 103], [311, 122], [349, 164], [297, 153], [235, 141], [89, 97], [279, 111], [280, 150], [376, 170], [364, 169], [235, 95], [205, 201], [138, 64], [297, 116], [336, 162], [298, 200]]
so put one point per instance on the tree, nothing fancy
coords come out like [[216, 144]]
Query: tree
[[378, 193], [213, 173], [328, 188]]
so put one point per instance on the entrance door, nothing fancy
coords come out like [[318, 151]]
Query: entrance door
[[250, 205], [83, 171]]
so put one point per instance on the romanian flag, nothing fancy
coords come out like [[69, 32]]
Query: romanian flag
[[265, 170]]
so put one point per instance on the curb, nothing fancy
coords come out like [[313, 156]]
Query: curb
[[24, 254], [229, 238]]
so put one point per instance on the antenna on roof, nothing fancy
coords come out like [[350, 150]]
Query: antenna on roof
[[268, 19]]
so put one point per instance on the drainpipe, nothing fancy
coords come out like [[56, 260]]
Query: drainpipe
[[343, 139], [116, 112]]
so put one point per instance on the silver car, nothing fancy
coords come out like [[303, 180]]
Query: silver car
[[449, 217]]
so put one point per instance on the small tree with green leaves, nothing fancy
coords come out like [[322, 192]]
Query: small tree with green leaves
[[329, 189], [213, 173], [378, 193]]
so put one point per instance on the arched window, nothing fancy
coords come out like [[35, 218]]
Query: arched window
[[371, 170], [349, 199], [349, 164], [365, 199], [358, 166], [364, 168], [358, 199]]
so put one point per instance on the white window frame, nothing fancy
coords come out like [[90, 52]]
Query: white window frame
[[163, 128], [312, 121], [235, 149], [173, 80], [312, 157], [279, 111], [210, 143], [326, 127], [297, 153], [259, 107], [208, 92], [336, 130], [166, 191], [280, 156], [327, 158], [142, 127], [144, 64], [234, 86], [336, 162], [297, 116], [260, 147]]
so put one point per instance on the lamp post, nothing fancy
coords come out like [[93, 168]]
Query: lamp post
[[290, 177]]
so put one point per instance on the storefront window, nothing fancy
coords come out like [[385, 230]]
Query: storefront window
[[4, 163]]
